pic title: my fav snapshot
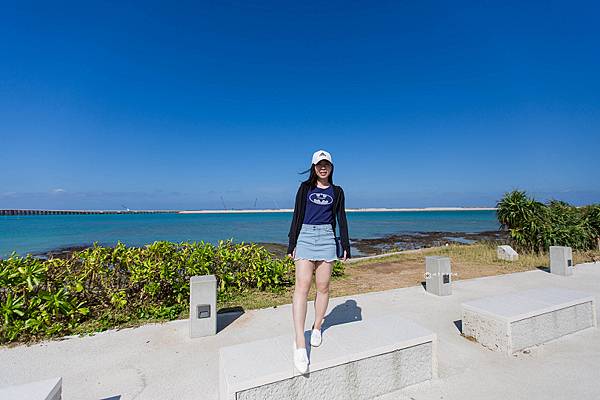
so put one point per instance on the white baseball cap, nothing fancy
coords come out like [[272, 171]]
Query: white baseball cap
[[321, 155]]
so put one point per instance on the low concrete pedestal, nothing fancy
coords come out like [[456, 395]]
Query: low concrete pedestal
[[438, 275], [515, 321], [357, 360], [561, 260], [50, 389], [203, 306]]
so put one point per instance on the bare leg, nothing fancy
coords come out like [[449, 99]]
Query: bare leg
[[322, 278], [304, 271]]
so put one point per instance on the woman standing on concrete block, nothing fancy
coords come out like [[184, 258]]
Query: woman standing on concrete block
[[314, 247]]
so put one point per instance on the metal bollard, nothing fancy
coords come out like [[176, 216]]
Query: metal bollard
[[203, 306], [561, 260], [438, 273]]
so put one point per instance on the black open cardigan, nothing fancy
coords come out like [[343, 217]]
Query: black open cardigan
[[339, 212]]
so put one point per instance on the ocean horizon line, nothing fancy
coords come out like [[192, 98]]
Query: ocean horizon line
[[366, 209], [31, 211]]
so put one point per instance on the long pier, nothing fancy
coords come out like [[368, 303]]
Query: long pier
[[229, 211], [81, 212]]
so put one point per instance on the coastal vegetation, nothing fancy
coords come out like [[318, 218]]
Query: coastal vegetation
[[105, 287], [535, 226], [101, 288], [407, 269]]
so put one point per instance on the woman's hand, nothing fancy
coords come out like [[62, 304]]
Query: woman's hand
[[293, 255]]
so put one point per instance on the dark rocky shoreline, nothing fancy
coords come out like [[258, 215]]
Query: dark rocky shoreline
[[61, 252], [418, 240], [372, 246]]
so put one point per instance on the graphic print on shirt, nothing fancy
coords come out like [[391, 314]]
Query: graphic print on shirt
[[322, 199]]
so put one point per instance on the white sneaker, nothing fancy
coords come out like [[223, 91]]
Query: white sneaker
[[315, 337], [300, 359]]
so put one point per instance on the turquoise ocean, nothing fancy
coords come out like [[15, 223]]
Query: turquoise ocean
[[40, 233]]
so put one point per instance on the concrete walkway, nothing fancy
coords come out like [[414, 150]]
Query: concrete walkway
[[159, 361]]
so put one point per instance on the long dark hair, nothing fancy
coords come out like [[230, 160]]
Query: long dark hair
[[312, 179]]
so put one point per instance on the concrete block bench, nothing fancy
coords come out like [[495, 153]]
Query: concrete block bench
[[514, 321], [50, 389], [357, 360]]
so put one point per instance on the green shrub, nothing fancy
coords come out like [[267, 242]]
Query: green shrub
[[534, 226], [592, 214], [103, 287], [337, 269]]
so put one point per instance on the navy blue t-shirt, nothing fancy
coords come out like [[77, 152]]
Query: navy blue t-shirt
[[319, 206]]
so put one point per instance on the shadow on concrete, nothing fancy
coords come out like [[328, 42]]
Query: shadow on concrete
[[545, 269], [226, 316], [458, 324], [117, 397], [342, 314], [308, 346]]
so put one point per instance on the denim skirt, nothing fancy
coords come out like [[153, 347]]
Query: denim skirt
[[316, 243]]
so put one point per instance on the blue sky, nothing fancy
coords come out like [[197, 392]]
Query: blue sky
[[192, 105]]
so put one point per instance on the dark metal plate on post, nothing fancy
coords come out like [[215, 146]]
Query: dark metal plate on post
[[570, 263], [203, 311], [446, 278]]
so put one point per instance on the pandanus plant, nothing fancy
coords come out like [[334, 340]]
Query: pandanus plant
[[592, 214], [534, 226], [567, 226], [524, 218]]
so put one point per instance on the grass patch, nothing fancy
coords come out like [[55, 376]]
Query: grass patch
[[252, 299], [483, 254], [406, 269]]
